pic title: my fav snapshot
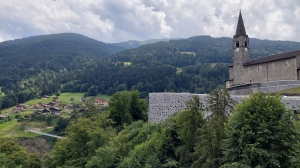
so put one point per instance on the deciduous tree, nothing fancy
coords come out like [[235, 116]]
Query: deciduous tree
[[260, 133]]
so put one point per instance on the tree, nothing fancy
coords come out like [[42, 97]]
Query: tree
[[260, 133], [13, 155], [126, 107], [82, 139], [208, 151], [189, 121], [49, 120]]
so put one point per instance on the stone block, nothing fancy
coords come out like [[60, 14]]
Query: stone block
[[272, 89], [265, 84], [284, 82], [275, 83]]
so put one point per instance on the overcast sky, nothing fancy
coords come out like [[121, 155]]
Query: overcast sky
[[122, 20]]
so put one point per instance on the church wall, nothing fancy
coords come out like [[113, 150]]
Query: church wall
[[255, 73], [282, 70], [231, 73]]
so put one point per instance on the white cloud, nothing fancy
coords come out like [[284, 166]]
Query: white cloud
[[121, 20]]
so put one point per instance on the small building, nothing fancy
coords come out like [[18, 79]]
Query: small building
[[46, 111], [3, 117], [20, 107], [54, 109]]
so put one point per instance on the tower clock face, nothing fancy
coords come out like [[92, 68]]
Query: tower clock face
[[246, 49], [237, 49]]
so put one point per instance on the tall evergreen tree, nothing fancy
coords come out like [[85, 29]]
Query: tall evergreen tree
[[208, 151], [189, 121]]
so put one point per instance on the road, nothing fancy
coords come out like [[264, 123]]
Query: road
[[54, 136]]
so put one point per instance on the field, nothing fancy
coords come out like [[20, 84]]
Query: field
[[66, 98], [18, 129]]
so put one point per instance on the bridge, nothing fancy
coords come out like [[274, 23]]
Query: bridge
[[42, 133]]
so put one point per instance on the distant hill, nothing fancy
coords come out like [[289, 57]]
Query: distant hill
[[57, 44], [55, 52], [207, 49], [134, 43]]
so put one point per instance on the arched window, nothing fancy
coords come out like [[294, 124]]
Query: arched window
[[246, 44], [237, 44]]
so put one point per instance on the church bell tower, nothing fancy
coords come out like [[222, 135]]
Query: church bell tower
[[240, 45]]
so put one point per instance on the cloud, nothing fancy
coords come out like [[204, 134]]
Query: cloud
[[121, 20]]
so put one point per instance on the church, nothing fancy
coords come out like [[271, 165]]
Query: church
[[247, 73]]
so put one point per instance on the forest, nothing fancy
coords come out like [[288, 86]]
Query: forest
[[52, 64], [259, 132]]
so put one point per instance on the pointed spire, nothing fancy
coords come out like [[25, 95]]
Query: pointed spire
[[240, 29]]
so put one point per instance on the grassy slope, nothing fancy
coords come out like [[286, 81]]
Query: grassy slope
[[290, 92], [18, 129]]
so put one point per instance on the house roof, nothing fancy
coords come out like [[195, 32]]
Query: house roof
[[273, 58], [240, 29]]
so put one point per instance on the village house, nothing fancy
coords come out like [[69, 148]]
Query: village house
[[101, 102], [20, 107], [3, 117]]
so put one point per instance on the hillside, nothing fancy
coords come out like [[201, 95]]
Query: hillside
[[134, 43], [68, 51], [207, 49], [40, 65]]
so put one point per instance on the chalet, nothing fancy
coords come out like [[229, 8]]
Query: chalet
[[54, 109], [46, 111], [27, 117], [41, 104], [84, 99], [51, 104], [45, 97], [3, 117], [101, 102], [38, 107], [61, 105], [20, 107]]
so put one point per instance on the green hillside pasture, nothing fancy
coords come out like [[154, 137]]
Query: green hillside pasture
[[18, 129], [14, 129], [290, 92], [36, 101], [66, 97]]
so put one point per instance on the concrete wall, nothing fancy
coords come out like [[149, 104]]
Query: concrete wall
[[162, 105]]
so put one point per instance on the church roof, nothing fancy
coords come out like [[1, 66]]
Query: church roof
[[273, 58], [240, 29]]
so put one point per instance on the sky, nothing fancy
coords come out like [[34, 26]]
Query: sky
[[122, 20]]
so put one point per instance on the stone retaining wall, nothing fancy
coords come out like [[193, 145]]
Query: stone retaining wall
[[162, 105], [266, 87]]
